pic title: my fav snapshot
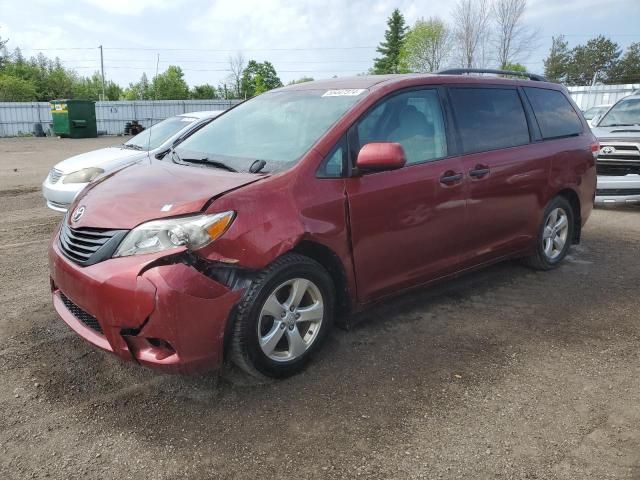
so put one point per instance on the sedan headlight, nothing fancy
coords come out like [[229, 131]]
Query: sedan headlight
[[192, 232], [83, 176]]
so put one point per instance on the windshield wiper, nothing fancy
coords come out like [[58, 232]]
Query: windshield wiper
[[203, 160], [622, 125], [131, 146]]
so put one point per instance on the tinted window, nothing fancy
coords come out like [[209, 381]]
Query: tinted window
[[413, 119], [554, 113], [333, 163], [489, 118]]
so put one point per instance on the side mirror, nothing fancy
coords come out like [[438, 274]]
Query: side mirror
[[381, 156]]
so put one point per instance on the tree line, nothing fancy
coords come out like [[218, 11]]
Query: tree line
[[43, 79], [492, 34]]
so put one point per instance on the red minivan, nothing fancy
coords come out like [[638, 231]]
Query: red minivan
[[313, 201]]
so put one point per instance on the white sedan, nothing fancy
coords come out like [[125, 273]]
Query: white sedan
[[67, 178]]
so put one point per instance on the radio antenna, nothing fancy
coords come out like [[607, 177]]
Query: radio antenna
[[153, 107]]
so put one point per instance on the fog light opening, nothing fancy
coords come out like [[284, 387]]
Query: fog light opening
[[163, 349]]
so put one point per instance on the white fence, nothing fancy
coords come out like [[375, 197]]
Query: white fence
[[587, 97], [19, 118]]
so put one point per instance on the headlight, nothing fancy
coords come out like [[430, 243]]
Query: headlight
[[192, 232], [83, 176]]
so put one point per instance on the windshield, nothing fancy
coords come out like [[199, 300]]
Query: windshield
[[153, 137], [624, 113], [277, 127], [594, 112]]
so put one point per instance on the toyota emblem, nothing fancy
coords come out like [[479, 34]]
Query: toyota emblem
[[78, 213], [607, 150]]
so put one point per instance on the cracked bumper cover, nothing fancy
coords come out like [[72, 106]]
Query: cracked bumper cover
[[169, 316]]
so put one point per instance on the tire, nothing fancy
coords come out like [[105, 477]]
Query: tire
[[273, 318], [546, 257]]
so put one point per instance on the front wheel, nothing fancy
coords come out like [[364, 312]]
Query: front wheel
[[554, 236], [283, 318]]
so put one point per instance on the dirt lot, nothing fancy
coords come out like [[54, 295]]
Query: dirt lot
[[505, 373]]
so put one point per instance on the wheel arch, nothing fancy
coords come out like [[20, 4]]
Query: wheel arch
[[334, 266], [574, 200]]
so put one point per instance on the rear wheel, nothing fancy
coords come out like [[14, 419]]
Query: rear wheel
[[554, 236], [283, 318]]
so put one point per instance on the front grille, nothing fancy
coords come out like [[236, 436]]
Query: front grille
[[613, 151], [54, 175], [617, 191], [89, 320], [86, 246], [616, 170]]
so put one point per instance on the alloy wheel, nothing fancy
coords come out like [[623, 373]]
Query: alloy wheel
[[556, 231], [290, 319]]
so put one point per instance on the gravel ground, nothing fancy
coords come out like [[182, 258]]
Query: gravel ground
[[505, 373]]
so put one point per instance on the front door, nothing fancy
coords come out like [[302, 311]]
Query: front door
[[407, 225]]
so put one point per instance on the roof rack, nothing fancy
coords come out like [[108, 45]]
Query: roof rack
[[461, 71]]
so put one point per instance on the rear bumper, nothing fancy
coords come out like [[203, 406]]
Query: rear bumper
[[59, 195], [169, 317], [622, 190]]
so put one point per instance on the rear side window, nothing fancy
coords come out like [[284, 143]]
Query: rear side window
[[489, 118], [556, 117]]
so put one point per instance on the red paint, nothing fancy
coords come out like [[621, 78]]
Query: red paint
[[391, 230], [381, 156]]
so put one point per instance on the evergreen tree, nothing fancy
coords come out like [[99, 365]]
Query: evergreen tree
[[391, 47], [593, 60], [556, 64], [627, 70]]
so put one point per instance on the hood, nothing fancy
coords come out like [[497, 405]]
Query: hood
[[621, 133], [143, 192], [105, 158]]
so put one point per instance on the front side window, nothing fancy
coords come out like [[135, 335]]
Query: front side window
[[623, 114], [556, 117], [278, 127], [489, 118], [153, 137], [413, 119]]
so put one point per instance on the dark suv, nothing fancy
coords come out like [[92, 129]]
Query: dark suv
[[313, 201]]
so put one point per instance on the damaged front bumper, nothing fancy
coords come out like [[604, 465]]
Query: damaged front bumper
[[168, 312]]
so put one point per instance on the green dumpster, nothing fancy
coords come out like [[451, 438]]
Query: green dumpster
[[74, 118]]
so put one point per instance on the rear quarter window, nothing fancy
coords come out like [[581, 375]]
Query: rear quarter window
[[555, 115], [489, 118]]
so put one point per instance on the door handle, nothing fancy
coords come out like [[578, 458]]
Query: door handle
[[479, 171], [450, 177]]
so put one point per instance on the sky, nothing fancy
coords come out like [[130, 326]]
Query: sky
[[319, 38]]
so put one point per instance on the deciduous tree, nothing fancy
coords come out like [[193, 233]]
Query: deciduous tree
[[514, 40], [258, 78], [427, 46], [471, 27]]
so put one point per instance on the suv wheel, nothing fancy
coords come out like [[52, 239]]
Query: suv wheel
[[283, 317], [555, 235]]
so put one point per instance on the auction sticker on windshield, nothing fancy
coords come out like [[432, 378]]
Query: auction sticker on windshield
[[344, 92]]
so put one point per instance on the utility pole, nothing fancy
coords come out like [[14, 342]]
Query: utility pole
[[104, 97]]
